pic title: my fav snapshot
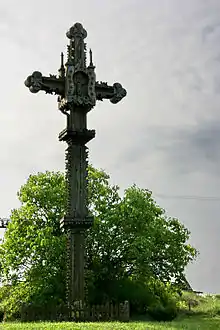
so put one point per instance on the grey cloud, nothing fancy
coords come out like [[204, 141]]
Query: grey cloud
[[190, 77], [188, 149], [210, 31], [196, 149], [217, 84]]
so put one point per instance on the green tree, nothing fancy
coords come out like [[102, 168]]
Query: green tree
[[132, 241]]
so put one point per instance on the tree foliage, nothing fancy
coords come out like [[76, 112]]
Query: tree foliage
[[132, 242]]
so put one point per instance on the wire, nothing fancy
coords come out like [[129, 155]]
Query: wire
[[163, 196], [190, 197]]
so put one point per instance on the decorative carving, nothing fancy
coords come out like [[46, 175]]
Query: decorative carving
[[69, 90], [90, 57], [80, 89], [34, 82], [76, 31], [80, 94], [51, 84], [62, 68], [77, 48], [119, 93], [114, 94], [80, 81], [76, 85]]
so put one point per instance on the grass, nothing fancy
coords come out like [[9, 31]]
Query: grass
[[193, 323], [204, 316]]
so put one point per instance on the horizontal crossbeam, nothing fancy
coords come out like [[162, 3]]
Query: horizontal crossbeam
[[114, 93], [51, 84]]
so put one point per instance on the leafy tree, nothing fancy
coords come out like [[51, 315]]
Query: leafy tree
[[131, 243]]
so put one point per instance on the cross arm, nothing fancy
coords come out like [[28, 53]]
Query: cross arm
[[113, 93], [51, 84]]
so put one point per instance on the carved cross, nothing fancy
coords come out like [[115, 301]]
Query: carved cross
[[77, 91], [76, 84]]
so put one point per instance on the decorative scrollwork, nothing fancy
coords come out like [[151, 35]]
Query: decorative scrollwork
[[114, 93], [76, 84], [51, 84], [119, 93], [34, 82], [76, 31]]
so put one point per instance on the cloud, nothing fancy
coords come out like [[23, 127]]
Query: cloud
[[198, 148]]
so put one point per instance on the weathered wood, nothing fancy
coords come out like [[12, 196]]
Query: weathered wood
[[105, 312], [77, 91]]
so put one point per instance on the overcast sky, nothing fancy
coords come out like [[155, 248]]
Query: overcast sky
[[164, 136]]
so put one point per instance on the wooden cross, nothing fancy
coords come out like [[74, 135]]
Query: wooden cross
[[75, 84], [77, 91]]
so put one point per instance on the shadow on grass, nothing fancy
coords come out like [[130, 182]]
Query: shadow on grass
[[187, 323], [187, 320], [197, 322], [202, 314]]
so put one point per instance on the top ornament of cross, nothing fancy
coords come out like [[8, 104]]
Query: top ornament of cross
[[76, 84]]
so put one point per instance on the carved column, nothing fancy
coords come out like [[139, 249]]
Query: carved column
[[76, 219]]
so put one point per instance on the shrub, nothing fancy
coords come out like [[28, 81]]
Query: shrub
[[137, 293], [163, 313], [165, 308]]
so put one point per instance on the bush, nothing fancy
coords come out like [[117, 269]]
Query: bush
[[165, 308], [153, 298], [137, 293], [163, 313]]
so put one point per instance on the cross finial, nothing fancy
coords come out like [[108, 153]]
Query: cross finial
[[62, 69], [90, 56], [62, 59], [76, 31]]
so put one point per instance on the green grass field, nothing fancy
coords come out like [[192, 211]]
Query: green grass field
[[192, 323], [205, 316]]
